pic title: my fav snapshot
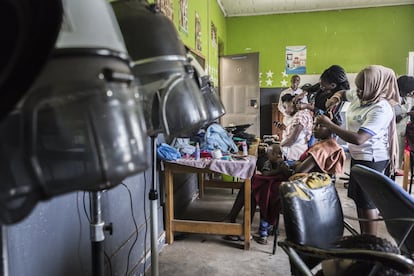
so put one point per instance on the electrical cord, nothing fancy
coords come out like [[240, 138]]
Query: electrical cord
[[135, 224], [84, 207], [109, 263]]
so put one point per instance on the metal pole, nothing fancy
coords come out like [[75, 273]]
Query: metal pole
[[153, 197], [97, 235], [4, 252]]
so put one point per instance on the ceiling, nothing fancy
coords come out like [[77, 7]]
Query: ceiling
[[261, 7]]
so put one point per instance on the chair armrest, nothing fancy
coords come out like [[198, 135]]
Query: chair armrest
[[398, 262]]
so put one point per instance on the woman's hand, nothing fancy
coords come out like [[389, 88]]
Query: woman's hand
[[331, 102], [323, 120], [279, 125], [334, 100], [299, 97]]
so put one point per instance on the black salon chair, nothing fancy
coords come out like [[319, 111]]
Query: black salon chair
[[312, 217], [395, 205], [314, 222]]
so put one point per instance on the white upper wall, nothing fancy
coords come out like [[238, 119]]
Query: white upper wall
[[261, 7]]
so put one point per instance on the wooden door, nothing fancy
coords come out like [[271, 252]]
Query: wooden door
[[239, 91]]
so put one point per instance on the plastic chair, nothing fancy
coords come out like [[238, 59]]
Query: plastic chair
[[395, 205], [314, 222]]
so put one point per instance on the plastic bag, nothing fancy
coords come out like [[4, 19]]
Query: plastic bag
[[217, 137], [167, 152]]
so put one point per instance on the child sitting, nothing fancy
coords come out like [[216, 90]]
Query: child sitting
[[275, 165], [325, 156]]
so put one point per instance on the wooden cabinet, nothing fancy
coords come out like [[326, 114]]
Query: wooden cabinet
[[278, 117]]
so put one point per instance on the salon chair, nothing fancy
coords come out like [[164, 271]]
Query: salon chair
[[395, 205], [313, 218], [314, 222]]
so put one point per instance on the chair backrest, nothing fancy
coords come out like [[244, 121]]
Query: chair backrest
[[392, 202], [312, 216]]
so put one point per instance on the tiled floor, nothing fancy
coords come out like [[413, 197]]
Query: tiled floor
[[196, 254]]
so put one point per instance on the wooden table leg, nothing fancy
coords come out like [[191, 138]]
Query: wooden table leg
[[169, 205], [200, 178], [247, 206], [406, 169]]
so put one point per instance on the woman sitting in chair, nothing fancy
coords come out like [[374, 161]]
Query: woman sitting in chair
[[324, 156], [297, 133]]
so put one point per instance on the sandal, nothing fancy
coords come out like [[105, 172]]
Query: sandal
[[261, 240], [241, 238], [232, 238]]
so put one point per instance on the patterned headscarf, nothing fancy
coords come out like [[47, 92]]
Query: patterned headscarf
[[381, 83]]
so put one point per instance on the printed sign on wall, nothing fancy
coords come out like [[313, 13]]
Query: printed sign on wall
[[184, 16], [198, 41], [167, 8], [295, 59]]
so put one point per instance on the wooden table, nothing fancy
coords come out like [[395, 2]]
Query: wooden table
[[205, 227], [407, 169]]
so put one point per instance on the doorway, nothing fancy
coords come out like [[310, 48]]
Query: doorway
[[239, 91]]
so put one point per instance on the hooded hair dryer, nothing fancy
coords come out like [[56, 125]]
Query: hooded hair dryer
[[80, 127], [172, 100]]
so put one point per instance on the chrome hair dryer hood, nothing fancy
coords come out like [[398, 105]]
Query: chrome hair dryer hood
[[172, 100], [80, 127], [84, 109], [215, 107]]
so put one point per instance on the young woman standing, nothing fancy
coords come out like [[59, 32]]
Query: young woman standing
[[370, 131]]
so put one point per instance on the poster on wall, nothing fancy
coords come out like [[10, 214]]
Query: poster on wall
[[167, 8], [295, 59], [184, 16], [198, 42], [213, 35]]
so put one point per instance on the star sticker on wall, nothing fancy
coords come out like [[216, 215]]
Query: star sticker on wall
[[269, 82], [284, 75], [269, 74], [284, 83]]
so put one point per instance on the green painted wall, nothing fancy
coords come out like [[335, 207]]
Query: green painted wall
[[208, 12], [351, 38]]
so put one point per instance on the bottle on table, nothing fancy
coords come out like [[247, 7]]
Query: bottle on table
[[244, 146], [197, 152]]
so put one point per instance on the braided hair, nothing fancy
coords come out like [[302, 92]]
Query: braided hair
[[336, 74]]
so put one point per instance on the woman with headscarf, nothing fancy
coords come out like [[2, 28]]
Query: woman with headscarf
[[370, 131]]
